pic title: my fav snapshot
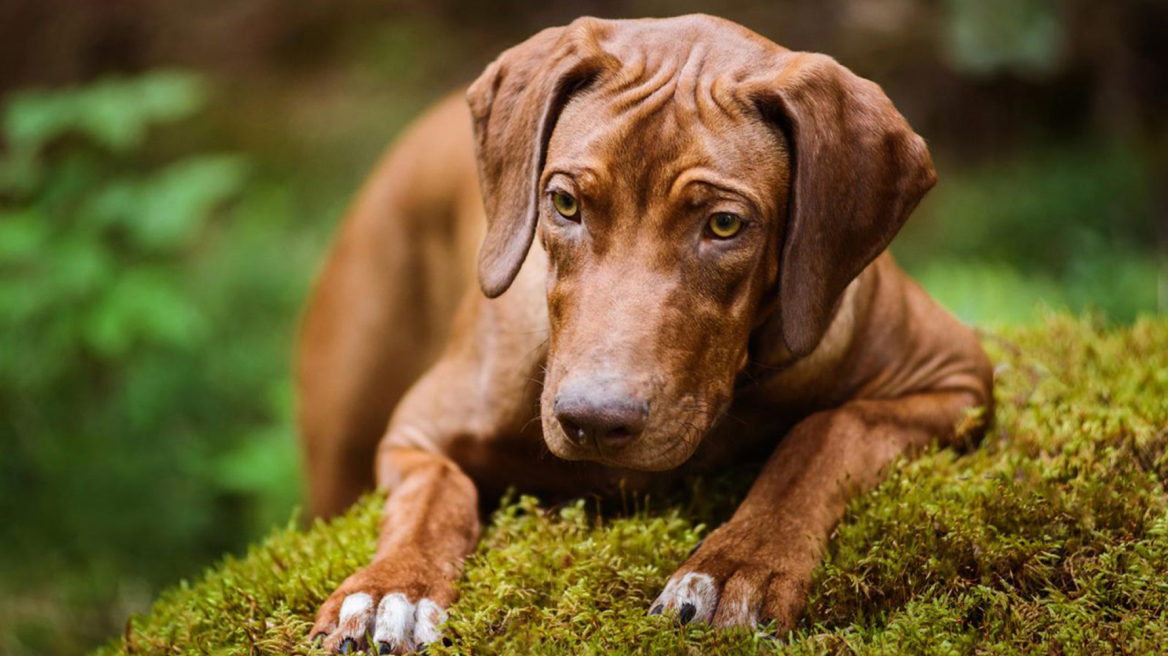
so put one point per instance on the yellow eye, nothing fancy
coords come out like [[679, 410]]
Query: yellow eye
[[725, 225], [565, 204]]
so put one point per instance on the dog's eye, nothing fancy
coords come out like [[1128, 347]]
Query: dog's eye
[[565, 204], [725, 225]]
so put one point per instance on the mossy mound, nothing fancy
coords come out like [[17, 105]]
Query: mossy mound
[[1049, 538]]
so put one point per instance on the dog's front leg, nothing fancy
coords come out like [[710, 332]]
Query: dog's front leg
[[429, 524], [758, 565]]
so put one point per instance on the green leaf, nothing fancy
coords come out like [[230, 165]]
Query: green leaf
[[168, 96], [145, 305], [176, 202], [115, 112], [23, 232], [76, 267], [114, 204]]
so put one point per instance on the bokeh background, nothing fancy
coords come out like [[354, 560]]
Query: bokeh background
[[171, 172]]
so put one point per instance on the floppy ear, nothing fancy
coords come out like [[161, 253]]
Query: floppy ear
[[514, 106], [858, 171]]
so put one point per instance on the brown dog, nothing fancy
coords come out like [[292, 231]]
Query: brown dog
[[711, 212]]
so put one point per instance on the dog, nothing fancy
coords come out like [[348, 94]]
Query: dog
[[679, 220]]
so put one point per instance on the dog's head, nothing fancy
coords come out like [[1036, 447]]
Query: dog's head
[[698, 189]]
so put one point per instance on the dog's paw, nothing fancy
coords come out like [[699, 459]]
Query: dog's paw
[[728, 584], [386, 603]]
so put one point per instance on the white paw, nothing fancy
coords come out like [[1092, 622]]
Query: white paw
[[402, 627], [694, 597], [356, 611], [398, 626]]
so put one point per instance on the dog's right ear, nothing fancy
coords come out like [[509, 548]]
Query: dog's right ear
[[514, 105]]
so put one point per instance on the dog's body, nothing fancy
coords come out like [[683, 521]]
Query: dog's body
[[627, 333]]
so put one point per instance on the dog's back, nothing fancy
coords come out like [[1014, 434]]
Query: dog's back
[[382, 307]]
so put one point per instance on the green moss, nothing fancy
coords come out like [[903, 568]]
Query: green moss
[[1051, 537]]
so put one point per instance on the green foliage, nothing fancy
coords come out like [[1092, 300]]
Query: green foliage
[[1066, 227], [114, 113], [1049, 538], [144, 328]]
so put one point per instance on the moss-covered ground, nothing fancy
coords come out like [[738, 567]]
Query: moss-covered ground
[[1051, 537]]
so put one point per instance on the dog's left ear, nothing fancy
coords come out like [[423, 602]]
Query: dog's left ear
[[514, 106], [858, 171]]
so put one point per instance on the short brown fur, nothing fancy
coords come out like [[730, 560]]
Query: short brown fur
[[801, 326]]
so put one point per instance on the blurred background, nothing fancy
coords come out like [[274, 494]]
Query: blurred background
[[171, 173]]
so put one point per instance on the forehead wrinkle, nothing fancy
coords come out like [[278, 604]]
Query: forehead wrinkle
[[636, 81], [642, 89], [630, 71], [648, 98], [721, 95], [688, 85]]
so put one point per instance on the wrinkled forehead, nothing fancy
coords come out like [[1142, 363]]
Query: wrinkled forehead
[[649, 126]]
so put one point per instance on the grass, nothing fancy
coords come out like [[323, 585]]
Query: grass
[[1051, 537]]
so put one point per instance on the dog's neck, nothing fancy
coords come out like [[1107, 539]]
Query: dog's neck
[[768, 356]]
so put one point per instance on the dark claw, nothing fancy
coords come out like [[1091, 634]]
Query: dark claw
[[318, 638], [348, 646], [656, 610], [384, 648], [687, 613]]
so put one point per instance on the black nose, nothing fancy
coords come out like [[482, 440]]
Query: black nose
[[606, 416]]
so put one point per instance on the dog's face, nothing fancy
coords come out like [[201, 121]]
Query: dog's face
[[660, 220], [699, 192]]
